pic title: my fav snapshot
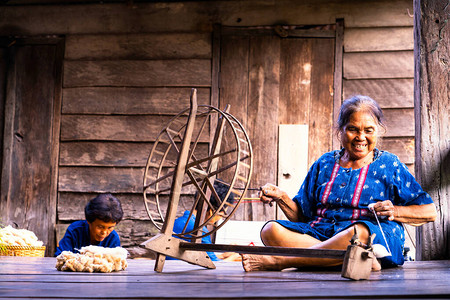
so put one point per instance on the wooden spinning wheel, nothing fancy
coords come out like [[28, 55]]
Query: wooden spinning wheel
[[180, 164], [229, 158]]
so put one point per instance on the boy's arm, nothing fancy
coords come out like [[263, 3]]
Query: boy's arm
[[67, 243]]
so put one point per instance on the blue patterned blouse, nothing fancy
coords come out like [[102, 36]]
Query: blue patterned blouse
[[333, 198]]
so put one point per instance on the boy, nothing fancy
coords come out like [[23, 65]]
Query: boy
[[180, 222], [102, 214]]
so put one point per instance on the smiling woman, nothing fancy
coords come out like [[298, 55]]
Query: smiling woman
[[335, 196], [359, 126]]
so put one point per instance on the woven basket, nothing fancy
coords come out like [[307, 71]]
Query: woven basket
[[22, 251]]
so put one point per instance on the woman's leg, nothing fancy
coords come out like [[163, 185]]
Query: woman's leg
[[274, 234]]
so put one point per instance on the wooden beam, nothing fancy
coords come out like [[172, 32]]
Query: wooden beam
[[190, 16], [337, 94], [431, 90], [266, 250]]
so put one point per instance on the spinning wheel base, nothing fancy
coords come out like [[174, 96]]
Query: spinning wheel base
[[166, 245]]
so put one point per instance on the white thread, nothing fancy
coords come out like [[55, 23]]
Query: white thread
[[371, 205]]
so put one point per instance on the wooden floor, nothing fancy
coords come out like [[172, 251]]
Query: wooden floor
[[29, 277]]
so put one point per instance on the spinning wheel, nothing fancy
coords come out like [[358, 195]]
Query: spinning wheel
[[229, 158], [180, 164]]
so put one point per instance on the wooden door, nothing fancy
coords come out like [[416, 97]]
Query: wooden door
[[30, 141], [270, 80]]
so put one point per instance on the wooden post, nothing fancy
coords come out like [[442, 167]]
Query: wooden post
[[431, 90]]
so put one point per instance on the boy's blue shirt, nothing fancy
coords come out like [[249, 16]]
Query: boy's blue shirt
[[77, 236]]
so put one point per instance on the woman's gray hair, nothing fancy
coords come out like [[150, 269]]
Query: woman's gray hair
[[359, 103]]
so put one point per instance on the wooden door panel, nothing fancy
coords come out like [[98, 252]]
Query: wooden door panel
[[295, 81], [27, 174], [271, 81], [321, 111]]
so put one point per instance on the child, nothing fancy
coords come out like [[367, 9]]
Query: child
[[180, 222], [102, 214]]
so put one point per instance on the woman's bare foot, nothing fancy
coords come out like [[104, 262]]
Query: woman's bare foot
[[260, 263], [376, 266]]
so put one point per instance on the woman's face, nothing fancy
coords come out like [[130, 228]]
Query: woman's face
[[99, 230], [359, 135]]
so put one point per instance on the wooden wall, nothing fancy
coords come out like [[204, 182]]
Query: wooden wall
[[129, 68], [379, 62]]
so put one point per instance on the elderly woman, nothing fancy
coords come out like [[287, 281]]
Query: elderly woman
[[337, 192]]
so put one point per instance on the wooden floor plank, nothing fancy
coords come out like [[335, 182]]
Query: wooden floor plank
[[37, 278]]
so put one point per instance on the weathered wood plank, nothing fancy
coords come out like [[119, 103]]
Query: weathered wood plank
[[3, 72], [138, 46], [135, 73], [389, 93], [106, 180], [114, 128], [234, 89], [295, 81], [379, 65], [338, 69], [123, 100], [321, 111], [112, 154], [432, 102], [399, 122], [403, 147], [378, 39], [197, 16], [263, 100], [100, 180], [28, 161], [24, 277]]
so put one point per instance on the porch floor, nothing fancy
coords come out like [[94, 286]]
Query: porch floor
[[30, 277]]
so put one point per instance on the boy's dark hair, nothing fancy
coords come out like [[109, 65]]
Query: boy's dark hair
[[104, 207]]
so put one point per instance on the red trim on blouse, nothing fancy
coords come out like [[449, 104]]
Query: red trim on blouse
[[327, 191], [360, 185]]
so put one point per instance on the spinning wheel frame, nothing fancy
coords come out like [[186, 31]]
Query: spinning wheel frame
[[200, 176]]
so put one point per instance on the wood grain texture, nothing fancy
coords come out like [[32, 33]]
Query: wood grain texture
[[107, 180], [129, 100], [114, 128], [3, 73], [27, 174], [338, 69], [148, 73], [100, 180], [432, 102], [295, 81], [197, 16], [234, 82], [389, 93], [263, 99], [378, 39], [111, 154], [321, 111], [403, 147], [399, 122], [379, 65], [37, 278], [138, 46]]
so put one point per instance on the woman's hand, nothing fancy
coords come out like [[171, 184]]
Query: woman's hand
[[385, 209], [270, 193]]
